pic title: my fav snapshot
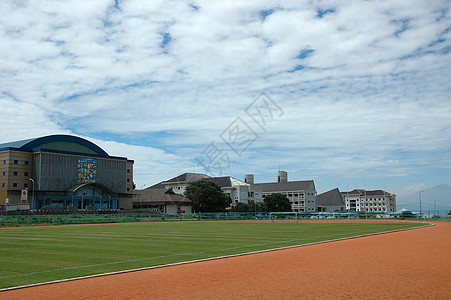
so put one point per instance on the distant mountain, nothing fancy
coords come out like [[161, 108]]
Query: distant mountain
[[441, 194]]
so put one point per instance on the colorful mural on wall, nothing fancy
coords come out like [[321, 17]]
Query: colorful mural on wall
[[87, 170]]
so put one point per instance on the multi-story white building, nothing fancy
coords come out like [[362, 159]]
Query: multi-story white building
[[301, 194], [370, 201]]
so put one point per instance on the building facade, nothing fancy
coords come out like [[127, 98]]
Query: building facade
[[63, 170], [370, 201], [301, 194], [239, 191]]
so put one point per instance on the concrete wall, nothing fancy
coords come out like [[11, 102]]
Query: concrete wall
[[129, 176], [310, 199], [15, 174]]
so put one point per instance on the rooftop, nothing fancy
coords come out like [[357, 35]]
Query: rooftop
[[330, 198], [285, 186], [59, 143], [161, 196], [360, 192]]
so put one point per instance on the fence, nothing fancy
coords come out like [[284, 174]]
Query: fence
[[75, 218]]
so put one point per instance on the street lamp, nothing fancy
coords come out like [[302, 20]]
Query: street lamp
[[435, 210], [255, 209], [140, 200], [32, 195], [419, 193]]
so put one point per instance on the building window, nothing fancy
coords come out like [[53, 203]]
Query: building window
[[15, 173], [128, 170], [14, 184], [25, 185], [26, 162], [128, 179], [4, 173], [16, 162], [3, 185], [4, 161], [128, 189], [25, 174]]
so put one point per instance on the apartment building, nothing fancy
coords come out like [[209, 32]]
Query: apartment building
[[301, 194], [370, 201]]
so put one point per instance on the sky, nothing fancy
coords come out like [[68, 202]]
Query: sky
[[351, 94]]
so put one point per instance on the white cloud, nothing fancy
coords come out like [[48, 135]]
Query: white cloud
[[372, 94], [151, 165], [413, 188]]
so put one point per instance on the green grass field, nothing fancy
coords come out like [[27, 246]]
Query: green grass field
[[41, 254]]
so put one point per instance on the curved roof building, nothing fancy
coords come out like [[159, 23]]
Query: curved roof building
[[65, 143], [62, 170]]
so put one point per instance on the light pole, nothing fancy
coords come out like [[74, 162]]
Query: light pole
[[140, 200], [32, 195], [419, 193], [255, 209], [435, 210]]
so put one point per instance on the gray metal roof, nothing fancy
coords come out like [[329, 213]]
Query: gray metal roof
[[187, 177], [163, 196], [285, 186], [36, 143], [361, 192], [330, 198], [221, 181], [15, 144]]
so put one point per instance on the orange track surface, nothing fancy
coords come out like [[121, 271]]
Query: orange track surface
[[413, 264]]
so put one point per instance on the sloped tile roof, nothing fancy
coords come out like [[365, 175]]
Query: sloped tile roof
[[163, 196], [223, 181], [187, 177], [330, 198], [361, 192], [285, 186]]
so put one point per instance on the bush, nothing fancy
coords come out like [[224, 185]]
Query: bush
[[52, 208]]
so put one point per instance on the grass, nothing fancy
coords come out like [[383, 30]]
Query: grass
[[41, 254]]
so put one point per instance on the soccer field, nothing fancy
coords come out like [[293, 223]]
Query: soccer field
[[41, 254]]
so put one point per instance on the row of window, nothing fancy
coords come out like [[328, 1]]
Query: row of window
[[16, 162], [297, 203], [25, 185], [289, 195], [15, 173]]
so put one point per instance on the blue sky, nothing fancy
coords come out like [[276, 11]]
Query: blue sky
[[357, 92]]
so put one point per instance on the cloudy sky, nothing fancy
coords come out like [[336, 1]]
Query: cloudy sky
[[348, 93]]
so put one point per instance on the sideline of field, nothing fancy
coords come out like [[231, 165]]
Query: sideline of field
[[238, 254]]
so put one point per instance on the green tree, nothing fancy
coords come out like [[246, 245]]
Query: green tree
[[243, 207], [277, 202], [261, 206], [207, 196]]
